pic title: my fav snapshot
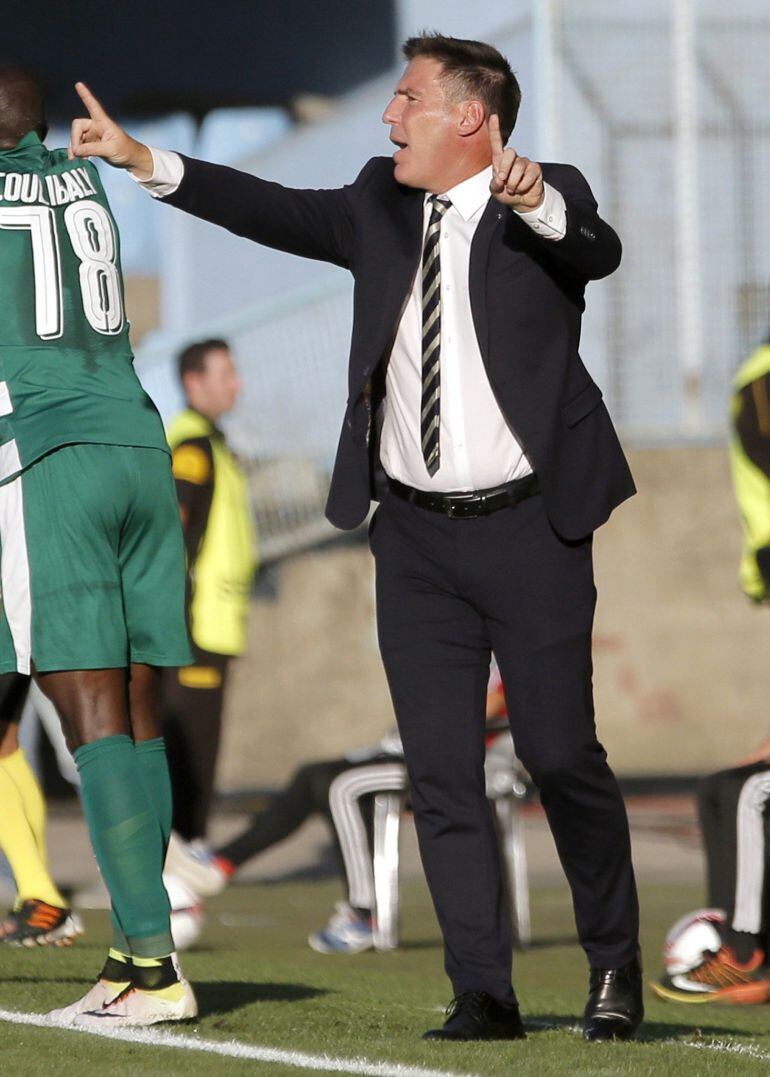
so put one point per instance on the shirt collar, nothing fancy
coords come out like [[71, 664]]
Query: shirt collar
[[28, 148], [30, 141], [470, 196]]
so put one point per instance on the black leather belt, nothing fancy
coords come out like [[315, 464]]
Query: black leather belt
[[468, 506]]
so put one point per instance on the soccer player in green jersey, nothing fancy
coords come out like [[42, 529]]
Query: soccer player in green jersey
[[91, 554]]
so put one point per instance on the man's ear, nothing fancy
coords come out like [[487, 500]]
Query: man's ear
[[473, 117]]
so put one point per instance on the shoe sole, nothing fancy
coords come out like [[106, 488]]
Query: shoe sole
[[438, 1035], [752, 994], [621, 1034], [322, 948], [127, 1022]]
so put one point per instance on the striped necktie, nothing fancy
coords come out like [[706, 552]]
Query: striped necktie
[[430, 411]]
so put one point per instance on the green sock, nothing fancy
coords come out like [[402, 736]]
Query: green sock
[[127, 841], [153, 764], [151, 756], [119, 941]]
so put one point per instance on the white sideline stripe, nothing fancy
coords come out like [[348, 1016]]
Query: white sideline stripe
[[233, 1049], [747, 1050]]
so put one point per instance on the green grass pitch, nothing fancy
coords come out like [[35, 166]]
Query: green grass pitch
[[259, 983]]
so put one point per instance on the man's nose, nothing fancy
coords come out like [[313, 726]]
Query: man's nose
[[390, 115]]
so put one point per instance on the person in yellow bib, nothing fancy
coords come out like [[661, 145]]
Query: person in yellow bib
[[750, 465], [40, 915], [221, 547]]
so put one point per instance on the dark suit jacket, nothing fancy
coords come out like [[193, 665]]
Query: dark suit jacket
[[527, 301]]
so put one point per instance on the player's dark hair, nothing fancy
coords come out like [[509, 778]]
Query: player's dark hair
[[472, 69], [193, 358], [22, 105]]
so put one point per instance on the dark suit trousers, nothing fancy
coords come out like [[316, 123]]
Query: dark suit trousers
[[448, 592]]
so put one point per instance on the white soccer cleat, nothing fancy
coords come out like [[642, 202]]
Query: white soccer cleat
[[187, 912], [194, 864], [103, 991], [346, 933], [135, 1007]]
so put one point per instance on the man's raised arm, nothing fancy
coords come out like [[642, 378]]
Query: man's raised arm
[[309, 223]]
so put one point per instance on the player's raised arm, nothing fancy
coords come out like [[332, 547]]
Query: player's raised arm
[[99, 136]]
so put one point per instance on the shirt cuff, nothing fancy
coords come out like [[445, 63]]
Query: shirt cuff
[[167, 173], [549, 220]]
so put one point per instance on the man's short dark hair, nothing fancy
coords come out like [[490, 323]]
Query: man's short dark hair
[[22, 105], [472, 69], [193, 358]]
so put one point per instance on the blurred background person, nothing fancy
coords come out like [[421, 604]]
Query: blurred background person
[[750, 463], [221, 548], [734, 804], [41, 915]]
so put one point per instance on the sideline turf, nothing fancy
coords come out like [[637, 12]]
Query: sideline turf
[[258, 982]]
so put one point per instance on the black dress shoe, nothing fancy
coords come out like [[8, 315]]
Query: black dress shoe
[[474, 1015], [615, 1009]]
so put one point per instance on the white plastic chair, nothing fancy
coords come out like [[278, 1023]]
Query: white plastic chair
[[506, 791]]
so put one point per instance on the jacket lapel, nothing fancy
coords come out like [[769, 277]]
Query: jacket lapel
[[403, 259], [491, 221]]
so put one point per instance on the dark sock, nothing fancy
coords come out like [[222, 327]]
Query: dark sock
[[153, 974], [742, 943], [117, 968], [363, 914]]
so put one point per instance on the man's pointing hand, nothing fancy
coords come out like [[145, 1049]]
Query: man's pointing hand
[[516, 181], [100, 136]]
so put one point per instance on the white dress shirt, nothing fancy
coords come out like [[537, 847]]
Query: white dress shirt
[[478, 448]]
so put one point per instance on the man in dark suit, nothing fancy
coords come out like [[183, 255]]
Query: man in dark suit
[[473, 421]]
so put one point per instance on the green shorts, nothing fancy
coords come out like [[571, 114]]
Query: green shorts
[[92, 562]]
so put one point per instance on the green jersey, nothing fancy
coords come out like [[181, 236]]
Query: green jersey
[[66, 366]]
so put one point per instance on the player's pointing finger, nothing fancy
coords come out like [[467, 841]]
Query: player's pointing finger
[[95, 110]]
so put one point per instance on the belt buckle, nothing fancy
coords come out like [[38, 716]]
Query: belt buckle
[[465, 508]]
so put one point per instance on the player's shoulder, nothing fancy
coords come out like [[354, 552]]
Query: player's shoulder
[[57, 157], [57, 162]]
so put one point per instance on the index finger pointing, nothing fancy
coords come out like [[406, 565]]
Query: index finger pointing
[[95, 110], [495, 137]]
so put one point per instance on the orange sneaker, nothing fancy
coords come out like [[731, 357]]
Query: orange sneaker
[[720, 977], [36, 923]]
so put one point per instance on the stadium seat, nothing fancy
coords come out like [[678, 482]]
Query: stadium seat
[[228, 135], [506, 791]]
